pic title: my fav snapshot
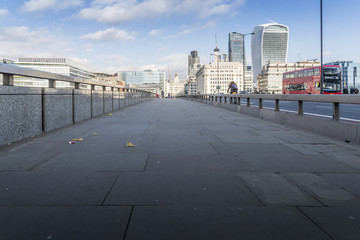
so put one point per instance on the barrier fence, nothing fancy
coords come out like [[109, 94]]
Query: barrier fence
[[29, 111], [335, 127]]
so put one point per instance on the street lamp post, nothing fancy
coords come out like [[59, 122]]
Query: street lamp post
[[244, 70], [321, 51]]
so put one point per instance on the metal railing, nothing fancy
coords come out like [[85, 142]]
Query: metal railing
[[336, 100], [9, 71]]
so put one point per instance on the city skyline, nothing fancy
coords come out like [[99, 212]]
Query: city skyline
[[157, 33]]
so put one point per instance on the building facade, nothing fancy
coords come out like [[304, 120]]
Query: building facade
[[271, 77], [215, 77], [110, 78], [248, 82], [175, 87], [141, 77], [236, 47], [62, 66], [193, 66], [269, 44], [350, 73]]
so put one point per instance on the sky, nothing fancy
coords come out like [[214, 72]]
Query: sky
[[129, 35]]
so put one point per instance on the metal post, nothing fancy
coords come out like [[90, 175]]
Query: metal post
[[300, 108], [218, 87], [321, 50], [8, 80], [277, 105], [248, 102], [52, 83], [243, 83], [260, 103], [336, 111], [354, 74]]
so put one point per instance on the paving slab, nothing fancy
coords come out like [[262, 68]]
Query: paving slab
[[301, 139], [294, 162], [351, 160], [197, 172], [248, 138], [327, 148], [274, 189], [341, 223], [22, 161], [105, 144], [180, 188], [61, 222], [349, 182], [98, 162], [50, 188], [250, 148], [326, 192], [163, 145], [126, 129], [221, 222], [188, 162]]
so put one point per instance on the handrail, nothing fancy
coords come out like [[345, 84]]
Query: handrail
[[9, 71], [343, 98], [336, 100]]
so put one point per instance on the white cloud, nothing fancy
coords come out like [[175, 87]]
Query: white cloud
[[327, 53], [44, 5], [175, 62], [89, 47], [154, 33], [4, 12], [186, 30], [110, 34], [112, 64], [119, 11], [21, 42], [210, 24]]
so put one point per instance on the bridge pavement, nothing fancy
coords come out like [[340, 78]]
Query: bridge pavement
[[197, 172]]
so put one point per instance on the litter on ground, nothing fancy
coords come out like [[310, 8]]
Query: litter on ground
[[78, 139], [129, 144]]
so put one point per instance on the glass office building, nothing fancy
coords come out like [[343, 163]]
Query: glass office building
[[141, 77], [350, 74], [63, 66], [236, 47], [269, 44]]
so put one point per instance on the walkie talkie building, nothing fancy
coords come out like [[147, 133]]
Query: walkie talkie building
[[269, 43]]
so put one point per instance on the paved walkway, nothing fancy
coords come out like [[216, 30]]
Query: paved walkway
[[197, 172]]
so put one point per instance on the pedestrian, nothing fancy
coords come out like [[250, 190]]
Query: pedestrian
[[352, 90], [345, 90], [232, 87]]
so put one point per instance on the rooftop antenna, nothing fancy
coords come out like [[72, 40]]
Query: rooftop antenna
[[216, 42], [298, 52]]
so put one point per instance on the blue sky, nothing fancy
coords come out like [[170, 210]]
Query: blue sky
[[113, 35]]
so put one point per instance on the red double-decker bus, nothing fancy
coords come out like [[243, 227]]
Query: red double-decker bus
[[307, 81]]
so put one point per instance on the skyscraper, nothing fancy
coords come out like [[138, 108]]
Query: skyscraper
[[268, 44], [193, 63], [193, 66], [236, 46]]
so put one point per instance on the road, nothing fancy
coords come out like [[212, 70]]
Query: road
[[347, 111]]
